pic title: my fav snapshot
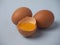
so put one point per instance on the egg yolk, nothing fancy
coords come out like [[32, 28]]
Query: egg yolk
[[27, 26]]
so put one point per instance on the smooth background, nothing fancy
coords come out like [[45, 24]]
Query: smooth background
[[8, 31]]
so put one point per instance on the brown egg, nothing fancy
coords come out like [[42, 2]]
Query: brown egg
[[20, 13], [27, 26], [44, 18]]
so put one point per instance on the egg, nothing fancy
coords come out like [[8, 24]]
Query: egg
[[44, 18], [21, 13], [27, 26]]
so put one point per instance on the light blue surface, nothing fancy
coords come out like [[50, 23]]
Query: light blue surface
[[8, 31]]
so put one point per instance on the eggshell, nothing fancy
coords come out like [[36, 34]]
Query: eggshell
[[27, 33], [44, 18], [20, 13]]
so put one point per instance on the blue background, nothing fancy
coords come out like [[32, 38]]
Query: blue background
[[8, 31]]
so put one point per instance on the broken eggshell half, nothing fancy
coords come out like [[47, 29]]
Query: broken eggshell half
[[31, 27]]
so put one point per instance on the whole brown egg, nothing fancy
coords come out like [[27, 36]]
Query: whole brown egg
[[44, 18], [21, 13]]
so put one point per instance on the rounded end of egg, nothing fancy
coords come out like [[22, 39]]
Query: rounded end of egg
[[44, 18], [21, 13]]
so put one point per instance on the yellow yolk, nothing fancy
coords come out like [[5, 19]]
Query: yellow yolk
[[27, 26]]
